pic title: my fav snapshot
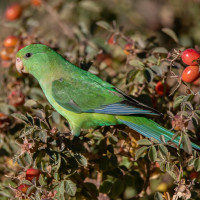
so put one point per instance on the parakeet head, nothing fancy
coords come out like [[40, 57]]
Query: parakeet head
[[35, 59]]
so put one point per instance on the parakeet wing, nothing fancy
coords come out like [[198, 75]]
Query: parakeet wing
[[89, 93]]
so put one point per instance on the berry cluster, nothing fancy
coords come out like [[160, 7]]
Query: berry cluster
[[31, 173], [190, 73]]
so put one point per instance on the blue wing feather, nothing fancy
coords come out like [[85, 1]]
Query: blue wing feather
[[121, 109]]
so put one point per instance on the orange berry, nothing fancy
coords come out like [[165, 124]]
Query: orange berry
[[4, 54], [189, 55], [13, 12], [10, 41], [190, 74], [36, 2]]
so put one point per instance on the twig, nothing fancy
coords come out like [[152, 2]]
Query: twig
[[54, 15]]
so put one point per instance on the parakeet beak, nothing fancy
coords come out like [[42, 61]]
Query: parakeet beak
[[20, 66]]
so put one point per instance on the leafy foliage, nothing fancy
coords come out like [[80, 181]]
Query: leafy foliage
[[123, 46]]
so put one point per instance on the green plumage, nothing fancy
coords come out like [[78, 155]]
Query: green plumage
[[85, 100]]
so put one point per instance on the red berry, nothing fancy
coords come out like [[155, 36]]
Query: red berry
[[10, 41], [13, 12], [128, 48], [190, 74], [32, 173], [111, 40], [23, 188], [189, 55], [160, 88]]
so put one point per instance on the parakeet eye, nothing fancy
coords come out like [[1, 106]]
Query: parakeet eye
[[28, 55]]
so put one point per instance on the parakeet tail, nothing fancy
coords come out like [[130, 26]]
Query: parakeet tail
[[149, 128]]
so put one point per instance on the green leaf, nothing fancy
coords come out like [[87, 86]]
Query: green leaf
[[90, 5], [104, 163], [117, 188], [136, 63], [156, 69], [113, 160], [152, 154], [131, 75], [62, 188], [148, 74], [28, 158], [56, 117], [178, 101], [197, 164], [26, 182], [31, 103], [30, 189], [160, 50], [42, 181], [20, 117], [91, 189], [37, 195], [154, 140], [104, 25], [169, 169], [170, 33], [70, 187], [163, 149], [191, 162], [105, 187], [162, 138], [30, 118], [162, 166], [144, 142], [140, 151], [158, 196], [187, 145], [81, 159], [113, 139], [43, 136]]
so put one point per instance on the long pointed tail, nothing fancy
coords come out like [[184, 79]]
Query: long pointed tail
[[149, 128]]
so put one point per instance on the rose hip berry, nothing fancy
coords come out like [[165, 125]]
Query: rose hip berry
[[160, 88], [23, 187], [10, 41], [32, 173], [13, 12], [190, 74], [189, 55]]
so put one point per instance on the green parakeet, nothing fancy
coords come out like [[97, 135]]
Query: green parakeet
[[85, 100]]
